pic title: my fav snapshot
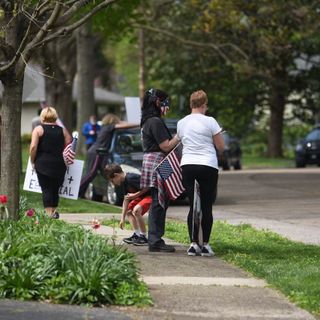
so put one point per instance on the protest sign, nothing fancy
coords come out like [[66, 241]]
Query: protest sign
[[133, 109], [70, 186]]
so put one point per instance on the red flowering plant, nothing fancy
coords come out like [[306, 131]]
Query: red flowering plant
[[95, 224], [33, 214], [4, 214]]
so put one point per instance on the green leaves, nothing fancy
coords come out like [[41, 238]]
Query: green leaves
[[65, 264]]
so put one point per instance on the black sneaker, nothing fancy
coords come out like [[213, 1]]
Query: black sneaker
[[140, 241], [55, 215], [130, 240], [162, 248]]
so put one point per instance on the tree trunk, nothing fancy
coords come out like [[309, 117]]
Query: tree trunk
[[277, 105], [59, 96], [85, 81], [11, 144], [142, 68], [60, 66]]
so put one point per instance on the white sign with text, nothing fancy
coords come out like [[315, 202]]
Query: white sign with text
[[133, 109], [71, 183]]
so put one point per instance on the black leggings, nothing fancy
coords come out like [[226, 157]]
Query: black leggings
[[50, 190], [92, 172], [207, 178]]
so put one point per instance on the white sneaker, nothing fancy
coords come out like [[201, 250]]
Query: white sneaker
[[207, 251], [194, 250]]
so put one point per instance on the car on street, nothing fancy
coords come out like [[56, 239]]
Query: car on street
[[307, 150], [231, 155], [125, 150]]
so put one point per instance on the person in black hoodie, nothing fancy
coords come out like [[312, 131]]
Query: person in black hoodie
[[156, 142]]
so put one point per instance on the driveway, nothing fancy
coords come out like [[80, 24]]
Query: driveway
[[286, 201]]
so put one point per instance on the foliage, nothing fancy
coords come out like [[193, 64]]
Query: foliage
[[26, 138], [244, 54], [291, 267], [125, 55], [62, 263]]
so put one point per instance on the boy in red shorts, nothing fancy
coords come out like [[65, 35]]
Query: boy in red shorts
[[136, 202]]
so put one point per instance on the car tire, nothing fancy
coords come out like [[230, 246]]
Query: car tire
[[91, 193], [225, 166], [237, 165], [300, 163], [115, 195]]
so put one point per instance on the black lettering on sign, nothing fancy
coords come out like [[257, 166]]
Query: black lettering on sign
[[66, 191], [33, 184]]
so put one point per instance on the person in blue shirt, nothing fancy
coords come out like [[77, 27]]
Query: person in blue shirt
[[90, 130]]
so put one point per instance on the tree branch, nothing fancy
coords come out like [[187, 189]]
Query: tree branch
[[22, 43], [43, 31], [68, 29], [76, 5], [192, 43]]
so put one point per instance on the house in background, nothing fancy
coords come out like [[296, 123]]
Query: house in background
[[34, 92]]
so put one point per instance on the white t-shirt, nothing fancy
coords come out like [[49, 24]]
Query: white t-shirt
[[196, 133]]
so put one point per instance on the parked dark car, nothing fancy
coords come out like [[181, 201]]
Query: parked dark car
[[308, 149], [125, 150], [231, 156]]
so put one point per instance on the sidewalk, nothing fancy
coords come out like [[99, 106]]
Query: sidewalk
[[185, 287]]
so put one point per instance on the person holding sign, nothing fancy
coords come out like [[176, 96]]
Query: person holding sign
[[200, 135], [156, 142], [47, 144]]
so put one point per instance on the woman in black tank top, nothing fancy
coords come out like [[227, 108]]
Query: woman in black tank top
[[47, 144]]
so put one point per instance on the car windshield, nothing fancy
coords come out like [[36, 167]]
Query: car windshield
[[128, 142], [314, 135]]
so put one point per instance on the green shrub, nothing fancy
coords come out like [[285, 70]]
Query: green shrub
[[52, 260], [26, 138]]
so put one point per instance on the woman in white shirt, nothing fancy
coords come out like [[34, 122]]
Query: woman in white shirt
[[200, 135]]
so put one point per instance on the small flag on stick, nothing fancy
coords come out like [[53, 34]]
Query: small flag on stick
[[170, 171]]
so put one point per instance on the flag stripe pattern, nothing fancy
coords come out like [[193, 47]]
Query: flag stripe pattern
[[171, 174], [68, 154]]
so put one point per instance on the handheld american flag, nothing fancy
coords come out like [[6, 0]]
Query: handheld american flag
[[69, 151], [170, 171]]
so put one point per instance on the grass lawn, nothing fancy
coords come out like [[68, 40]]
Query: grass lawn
[[34, 200], [291, 267], [256, 162]]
